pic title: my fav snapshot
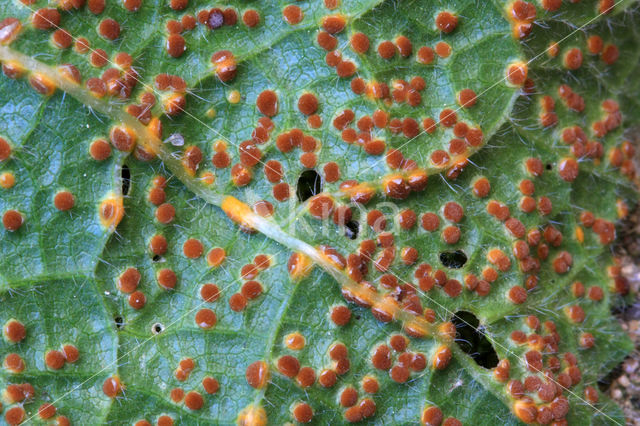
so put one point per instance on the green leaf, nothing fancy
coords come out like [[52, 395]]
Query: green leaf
[[380, 232]]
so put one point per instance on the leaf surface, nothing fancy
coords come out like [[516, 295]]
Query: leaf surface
[[377, 220]]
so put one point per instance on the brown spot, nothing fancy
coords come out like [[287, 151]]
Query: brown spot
[[333, 24], [64, 200], [404, 46], [61, 39], [14, 363], [431, 416], [610, 54], [340, 315], [292, 14], [446, 22], [175, 45], [517, 295], [308, 104], [167, 279], [112, 387], [225, 65], [467, 98], [326, 41], [320, 206], [257, 374], [165, 213], [281, 191], [14, 415], [129, 280], [302, 412], [251, 18], [237, 302], [306, 377], [386, 49], [441, 358], [425, 55], [267, 103], [327, 378], [193, 400], [12, 220], [5, 149], [448, 118], [573, 59], [443, 49], [192, 248], [210, 385], [348, 397], [450, 234], [359, 43], [288, 365], [137, 300], [206, 318], [517, 73], [45, 19], [123, 138], [453, 212], [109, 29]]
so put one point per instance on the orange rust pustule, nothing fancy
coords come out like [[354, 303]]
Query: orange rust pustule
[[111, 211], [225, 65], [237, 211], [299, 266], [9, 30], [252, 415], [257, 374], [112, 386]]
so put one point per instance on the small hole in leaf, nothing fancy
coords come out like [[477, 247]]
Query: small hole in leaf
[[453, 259], [471, 339], [156, 258], [351, 229], [119, 322], [549, 166], [157, 328], [309, 184], [126, 179]]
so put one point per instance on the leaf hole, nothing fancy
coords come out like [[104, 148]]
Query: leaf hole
[[549, 166], [453, 259], [125, 173], [157, 328], [471, 339], [156, 258], [119, 322], [351, 229], [309, 184]]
